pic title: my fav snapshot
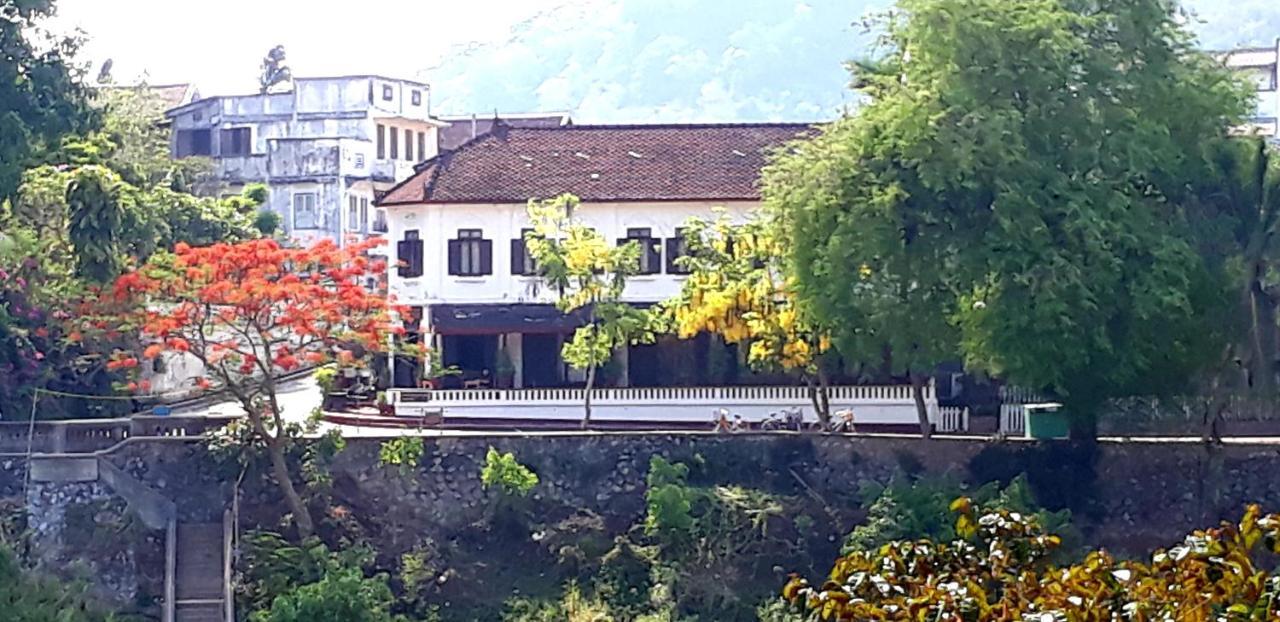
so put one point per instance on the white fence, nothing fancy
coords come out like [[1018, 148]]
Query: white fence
[[952, 419], [1013, 419], [872, 405]]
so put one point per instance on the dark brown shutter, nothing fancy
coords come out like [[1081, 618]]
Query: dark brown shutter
[[455, 257], [675, 250], [486, 256], [404, 268], [517, 256], [416, 251], [655, 255]]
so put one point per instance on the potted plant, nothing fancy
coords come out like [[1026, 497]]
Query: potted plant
[[385, 408], [504, 371]]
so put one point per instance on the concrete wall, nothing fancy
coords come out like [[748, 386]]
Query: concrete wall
[[437, 224]]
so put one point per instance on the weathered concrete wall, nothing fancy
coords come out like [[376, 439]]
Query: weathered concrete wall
[[1127, 496]]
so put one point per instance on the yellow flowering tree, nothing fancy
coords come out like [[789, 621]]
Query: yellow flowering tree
[[588, 274], [738, 289]]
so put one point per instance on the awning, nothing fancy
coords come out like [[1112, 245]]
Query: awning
[[492, 319]]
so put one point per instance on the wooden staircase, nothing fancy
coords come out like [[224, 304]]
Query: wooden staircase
[[199, 580]]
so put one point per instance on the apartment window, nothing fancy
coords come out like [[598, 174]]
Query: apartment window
[[650, 249], [470, 254], [409, 255], [306, 213], [364, 213], [395, 143], [422, 145], [416, 98], [387, 92], [408, 145], [522, 262], [235, 142], [677, 247], [380, 221], [353, 213], [359, 160], [382, 141], [195, 143]]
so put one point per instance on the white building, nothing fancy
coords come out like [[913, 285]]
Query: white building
[[325, 149], [457, 229], [1260, 66]]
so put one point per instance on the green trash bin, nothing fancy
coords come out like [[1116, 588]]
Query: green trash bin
[[1047, 421]]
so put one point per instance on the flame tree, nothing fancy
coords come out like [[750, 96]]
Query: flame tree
[[250, 312]]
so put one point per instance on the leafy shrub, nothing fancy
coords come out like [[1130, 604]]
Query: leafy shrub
[[909, 509], [999, 568], [25, 598], [404, 452], [273, 566], [572, 607], [266, 222], [669, 501], [507, 474], [344, 595], [326, 378]]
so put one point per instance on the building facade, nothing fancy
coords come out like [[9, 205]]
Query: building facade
[[325, 149], [1259, 65], [457, 229]]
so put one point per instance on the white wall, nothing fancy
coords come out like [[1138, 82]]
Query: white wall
[[438, 223]]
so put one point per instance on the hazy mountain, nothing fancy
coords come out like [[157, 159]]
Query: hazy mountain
[[690, 60]]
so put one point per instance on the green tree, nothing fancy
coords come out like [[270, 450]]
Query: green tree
[[1020, 175], [132, 120], [343, 595], [42, 94], [25, 598], [96, 222], [589, 275], [1238, 229]]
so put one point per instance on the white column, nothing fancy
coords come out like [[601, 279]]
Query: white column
[[515, 351]]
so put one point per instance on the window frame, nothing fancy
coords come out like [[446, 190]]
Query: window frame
[[415, 97], [382, 141], [650, 249], [394, 152], [353, 212], [235, 135], [522, 262], [315, 211], [410, 255], [408, 144], [677, 247], [388, 93], [470, 254]]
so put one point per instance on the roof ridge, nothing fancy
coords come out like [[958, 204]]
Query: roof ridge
[[662, 126]]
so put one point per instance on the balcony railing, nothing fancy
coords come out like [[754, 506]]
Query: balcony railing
[[886, 405]]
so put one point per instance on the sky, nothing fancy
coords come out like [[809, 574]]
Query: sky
[[601, 60]]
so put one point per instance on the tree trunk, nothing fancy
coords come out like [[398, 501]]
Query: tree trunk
[[586, 402], [279, 465], [280, 469], [922, 410], [1263, 320]]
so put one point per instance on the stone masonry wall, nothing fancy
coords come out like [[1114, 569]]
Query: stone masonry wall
[[1129, 497]]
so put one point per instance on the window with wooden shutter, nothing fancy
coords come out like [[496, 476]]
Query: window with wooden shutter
[[650, 249], [470, 254], [409, 254], [677, 247], [522, 262]]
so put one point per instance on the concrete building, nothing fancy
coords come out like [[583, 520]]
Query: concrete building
[[457, 230], [1260, 64], [326, 148]]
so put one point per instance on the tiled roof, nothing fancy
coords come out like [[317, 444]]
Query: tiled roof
[[460, 130], [600, 163]]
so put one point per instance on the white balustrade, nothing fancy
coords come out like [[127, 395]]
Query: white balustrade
[[880, 405], [1013, 419], [953, 419]]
